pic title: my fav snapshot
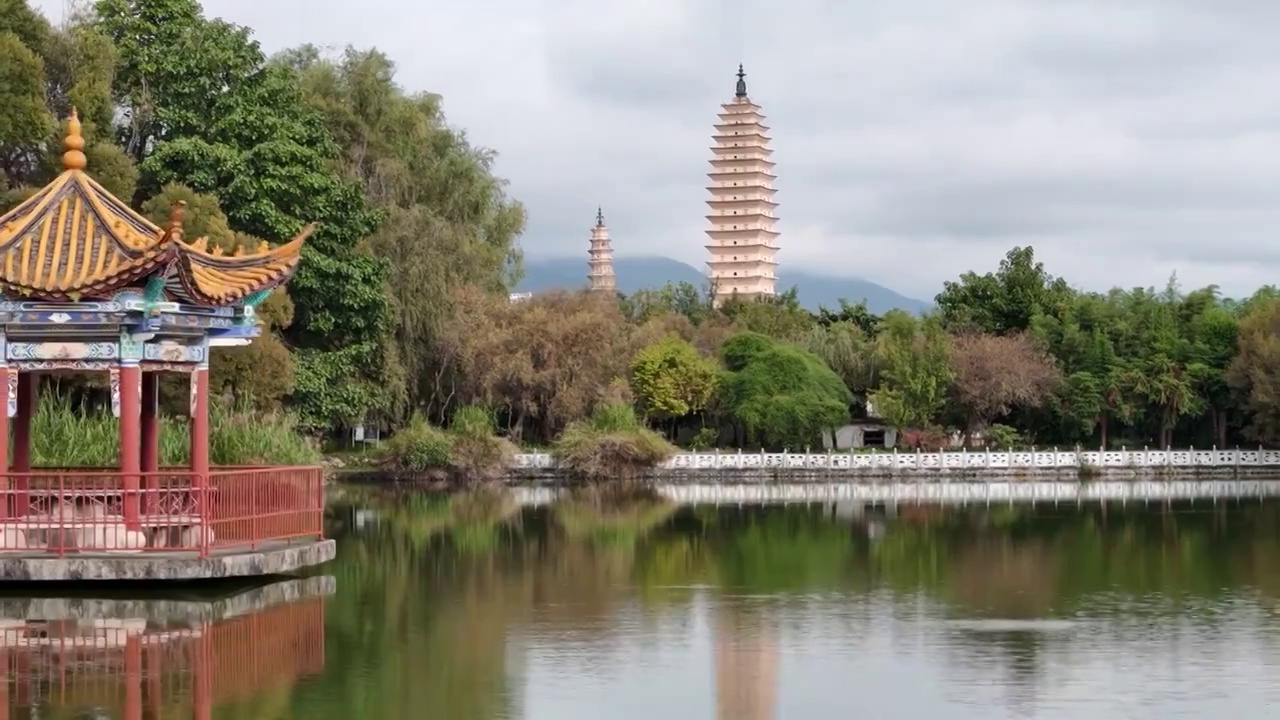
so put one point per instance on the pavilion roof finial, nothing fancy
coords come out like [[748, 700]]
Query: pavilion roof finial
[[599, 216], [73, 158], [742, 82]]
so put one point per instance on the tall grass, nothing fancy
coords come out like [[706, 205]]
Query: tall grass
[[66, 436], [468, 453], [611, 444]]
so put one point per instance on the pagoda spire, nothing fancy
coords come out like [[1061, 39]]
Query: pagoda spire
[[741, 237], [600, 257]]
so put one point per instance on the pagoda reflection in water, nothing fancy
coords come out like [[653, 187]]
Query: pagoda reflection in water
[[153, 658]]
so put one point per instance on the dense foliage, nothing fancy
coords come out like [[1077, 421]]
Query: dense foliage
[[400, 309]]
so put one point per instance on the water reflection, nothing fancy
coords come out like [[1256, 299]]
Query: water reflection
[[119, 657], [631, 608]]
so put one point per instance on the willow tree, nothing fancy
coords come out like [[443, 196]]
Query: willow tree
[[448, 221]]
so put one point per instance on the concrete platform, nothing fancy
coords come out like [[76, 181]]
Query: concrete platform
[[189, 609], [269, 559]]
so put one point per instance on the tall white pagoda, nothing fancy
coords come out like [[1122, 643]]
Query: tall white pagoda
[[600, 258], [741, 238]]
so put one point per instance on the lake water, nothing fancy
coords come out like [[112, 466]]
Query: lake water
[[474, 608]]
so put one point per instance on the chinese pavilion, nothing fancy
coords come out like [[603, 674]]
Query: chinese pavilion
[[89, 285]]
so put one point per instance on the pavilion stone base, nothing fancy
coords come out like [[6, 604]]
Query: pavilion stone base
[[269, 559]]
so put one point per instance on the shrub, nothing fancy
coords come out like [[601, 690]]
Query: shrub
[[1002, 436], [704, 439], [419, 447], [612, 443], [478, 454], [468, 452]]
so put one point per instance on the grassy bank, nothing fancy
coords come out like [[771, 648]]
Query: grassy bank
[[612, 444], [468, 453]]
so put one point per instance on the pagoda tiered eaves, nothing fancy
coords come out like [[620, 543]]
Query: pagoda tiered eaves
[[600, 275], [741, 235]]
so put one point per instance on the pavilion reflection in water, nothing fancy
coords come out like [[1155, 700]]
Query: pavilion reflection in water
[[135, 659]]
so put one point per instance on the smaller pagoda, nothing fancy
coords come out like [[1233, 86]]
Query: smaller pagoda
[[87, 285], [600, 258]]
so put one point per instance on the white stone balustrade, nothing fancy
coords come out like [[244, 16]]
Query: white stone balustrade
[[959, 460]]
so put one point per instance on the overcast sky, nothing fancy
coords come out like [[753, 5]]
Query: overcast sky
[[915, 139]]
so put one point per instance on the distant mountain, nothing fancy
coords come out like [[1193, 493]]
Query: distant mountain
[[643, 273]]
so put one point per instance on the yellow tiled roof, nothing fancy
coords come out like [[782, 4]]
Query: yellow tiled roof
[[212, 278], [73, 239]]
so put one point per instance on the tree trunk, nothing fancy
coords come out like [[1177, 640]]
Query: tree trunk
[[1103, 423]]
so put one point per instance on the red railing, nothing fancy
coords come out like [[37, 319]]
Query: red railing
[[82, 511]]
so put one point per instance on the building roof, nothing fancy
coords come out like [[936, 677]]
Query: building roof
[[208, 277], [74, 239]]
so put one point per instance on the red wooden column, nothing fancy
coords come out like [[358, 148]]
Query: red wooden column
[[151, 437], [131, 439], [201, 680], [4, 680], [132, 677], [200, 447], [28, 389], [4, 434], [28, 396]]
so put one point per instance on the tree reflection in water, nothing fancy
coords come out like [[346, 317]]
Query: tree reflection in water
[[432, 622]]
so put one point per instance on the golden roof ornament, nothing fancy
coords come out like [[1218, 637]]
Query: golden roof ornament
[[175, 220], [73, 158]]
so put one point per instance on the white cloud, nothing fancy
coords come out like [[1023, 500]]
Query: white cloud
[[914, 139]]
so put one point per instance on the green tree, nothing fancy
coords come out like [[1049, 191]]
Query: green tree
[[449, 223], [1004, 301], [914, 372], [781, 396], [25, 123], [259, 375], [1255, 371], [682, 298], [847, 349], [780, 317], [204, 109], [671, 380]]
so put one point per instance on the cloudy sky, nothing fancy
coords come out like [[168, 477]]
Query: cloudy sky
[[915, 139]]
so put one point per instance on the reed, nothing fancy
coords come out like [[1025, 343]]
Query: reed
[[63, 435]]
